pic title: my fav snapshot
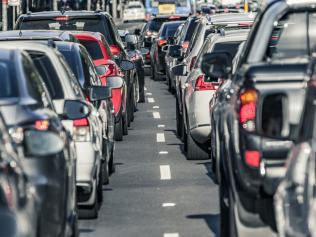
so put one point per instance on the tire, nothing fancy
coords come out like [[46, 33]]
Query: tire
[[75, 228], [178, 120], [194, 152], [169, 83], [111, 164], [90, 212], [136, 93], [224, 208], [125, 124], [100, 185], [105, 173], [118, 130]]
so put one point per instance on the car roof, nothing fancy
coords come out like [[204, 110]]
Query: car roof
[[36, 35], [50, 14], [232, 17]]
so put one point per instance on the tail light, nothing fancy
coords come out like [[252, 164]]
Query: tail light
[[41, 125], [115, 50], [185, 44], [248, 109], [201, 85], [148, 56], [81, 132], [161, 42], [252, 158]]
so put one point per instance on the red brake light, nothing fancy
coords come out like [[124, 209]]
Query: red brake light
[[81, 122], [41, 125], [61, 18], [174, 17], [115, 50], [161, 42], [148, 56], [248, 109], [252, 158], [201, 85], [185, 44]]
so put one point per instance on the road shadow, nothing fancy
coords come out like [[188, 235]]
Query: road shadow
[[209, 171], [86, 230], [212, 221], [172, 130]]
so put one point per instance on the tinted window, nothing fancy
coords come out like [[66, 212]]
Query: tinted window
[[8, 86], [169, 30], [94, 24], [289, 37], [49, 75], [93, 48], [90, 75], [155, 24]]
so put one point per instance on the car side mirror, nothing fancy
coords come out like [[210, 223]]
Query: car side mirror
[[75, 109], [165, 48], [137, 31], [175, 51], [217, 65], [127, 65], [100, 93], [42, 143], [179, 70], [114, 82]]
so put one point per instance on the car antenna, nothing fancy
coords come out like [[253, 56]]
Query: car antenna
[[20, 26]]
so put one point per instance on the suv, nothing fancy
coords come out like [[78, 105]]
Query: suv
[[260, 109]]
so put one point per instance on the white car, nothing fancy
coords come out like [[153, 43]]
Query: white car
[[134, 11]]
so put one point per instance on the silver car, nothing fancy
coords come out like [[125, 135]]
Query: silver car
[[199, 90], [86, 133]]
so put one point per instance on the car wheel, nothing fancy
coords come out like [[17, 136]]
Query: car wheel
[[75, 228], [125, 124], [224, 208], [118, 130], [100, 184], [178, 120], [91, 212], [132, 109], [105, 173], [169, 83], [111, 164], [184, 137], [136, 93], [194, 152]]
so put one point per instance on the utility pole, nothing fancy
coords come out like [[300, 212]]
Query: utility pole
[[89, 5], [4, 15], [55, 5], [114, 9]]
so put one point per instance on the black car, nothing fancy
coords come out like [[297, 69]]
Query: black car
[[260, 108], [295, 199], [26, 104], [158, 63], [19, 206]]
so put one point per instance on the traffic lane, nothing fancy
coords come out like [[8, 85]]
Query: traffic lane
[[144, 198]]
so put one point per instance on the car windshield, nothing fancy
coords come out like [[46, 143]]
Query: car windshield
[[72, 24], [93, 48], [8, 86]]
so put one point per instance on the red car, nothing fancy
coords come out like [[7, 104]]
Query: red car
[[109, 73]]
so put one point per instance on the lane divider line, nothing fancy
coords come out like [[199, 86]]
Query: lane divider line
[[145, 88], [171, 235], [156, 115], [165, 172], [161, 126], [155, 107], [168, 204], [151, 100], [161, 137], [148, 93], [163, 152]]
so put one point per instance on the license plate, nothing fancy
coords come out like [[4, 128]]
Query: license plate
[[167, 8]]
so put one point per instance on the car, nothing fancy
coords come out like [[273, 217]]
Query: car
[[252, 156], [294, 201], [150, 30], [19, 204], [167, 30], [106, 67], [53, 174], [134, 11], [199, 90]]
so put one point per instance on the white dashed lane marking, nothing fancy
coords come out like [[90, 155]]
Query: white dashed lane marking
[[151, 100], [171, 235], [161, 137], [168, 204], [163, 152], [161, 126], [156, 115], [155, 107], [148, 93], [165, 173]]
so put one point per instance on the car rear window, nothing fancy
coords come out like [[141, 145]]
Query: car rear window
[[169, 30], [93, 48], [155, 24], [95, 24], [8, 86]]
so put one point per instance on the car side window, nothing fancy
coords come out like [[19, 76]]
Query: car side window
[[89, 72], [35, 85], [288, 37]]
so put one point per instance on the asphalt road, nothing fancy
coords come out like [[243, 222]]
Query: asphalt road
[[155, 191]]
